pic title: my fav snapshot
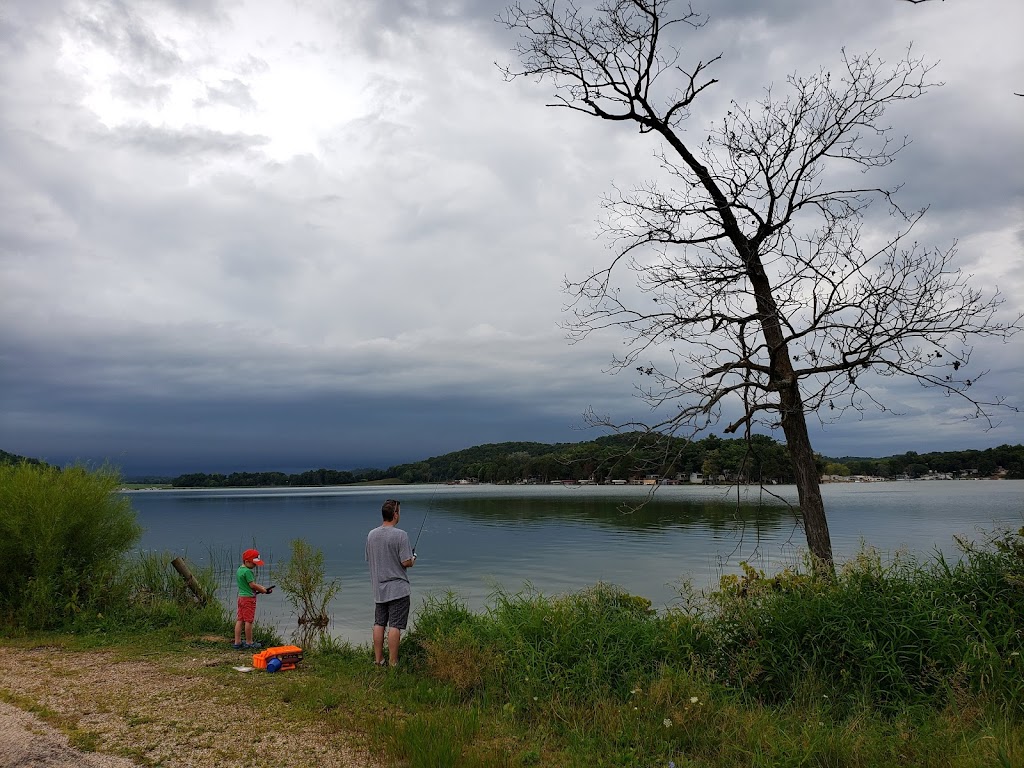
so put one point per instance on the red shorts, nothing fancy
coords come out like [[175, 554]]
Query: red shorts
[[247, 609]]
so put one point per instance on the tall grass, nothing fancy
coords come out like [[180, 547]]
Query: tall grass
[[63, 535], [432, 739], [889, 636], [886, 664], [158, 597]]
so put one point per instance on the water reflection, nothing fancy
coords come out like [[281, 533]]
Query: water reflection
[[637, 514]]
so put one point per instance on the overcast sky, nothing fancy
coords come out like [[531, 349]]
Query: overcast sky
[[282, 235]]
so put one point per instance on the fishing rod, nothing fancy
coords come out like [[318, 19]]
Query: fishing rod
[[429, 505]]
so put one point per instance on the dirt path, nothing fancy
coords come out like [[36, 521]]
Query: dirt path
[[61, 708]]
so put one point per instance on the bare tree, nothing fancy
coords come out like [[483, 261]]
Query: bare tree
[[758, 292]]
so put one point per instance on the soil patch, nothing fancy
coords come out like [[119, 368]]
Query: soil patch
[[94, 709]]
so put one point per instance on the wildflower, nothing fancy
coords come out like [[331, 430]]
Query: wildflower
[[671, 764], [694, 700], [534, 698], [667, 722]]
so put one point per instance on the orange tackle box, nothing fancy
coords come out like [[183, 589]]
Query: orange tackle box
[[290, 655]]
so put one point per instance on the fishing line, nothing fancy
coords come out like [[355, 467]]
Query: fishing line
[[429, 505]]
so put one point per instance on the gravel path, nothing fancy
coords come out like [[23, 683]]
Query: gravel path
[[62, 708], [29, 742]]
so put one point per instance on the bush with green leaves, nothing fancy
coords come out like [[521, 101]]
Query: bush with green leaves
[[63, 537], [309, 592]]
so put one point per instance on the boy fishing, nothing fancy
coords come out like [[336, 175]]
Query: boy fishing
[[247, 590]]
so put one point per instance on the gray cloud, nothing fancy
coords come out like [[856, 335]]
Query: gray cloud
[[192, 141], [114, 26], [330, 234], [233, 93]]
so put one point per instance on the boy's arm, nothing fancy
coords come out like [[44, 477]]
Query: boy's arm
[[259, 588]]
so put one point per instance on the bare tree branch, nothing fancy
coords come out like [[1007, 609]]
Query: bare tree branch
[[751, 267]]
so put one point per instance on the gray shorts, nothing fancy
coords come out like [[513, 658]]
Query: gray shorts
[[394, 613]]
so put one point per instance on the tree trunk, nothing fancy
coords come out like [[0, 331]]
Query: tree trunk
[[190, 580], [812, 506], [791, 411]]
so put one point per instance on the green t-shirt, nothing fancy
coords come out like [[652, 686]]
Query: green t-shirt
[[245, 577]]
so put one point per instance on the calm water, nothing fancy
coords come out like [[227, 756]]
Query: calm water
[[475, 539]]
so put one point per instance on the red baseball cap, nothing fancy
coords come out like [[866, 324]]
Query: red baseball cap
[[252, 554]]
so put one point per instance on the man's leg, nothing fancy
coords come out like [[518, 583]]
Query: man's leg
[[378, 643], [394, 637]]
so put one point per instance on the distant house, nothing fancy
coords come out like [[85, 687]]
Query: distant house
[[697, 478]]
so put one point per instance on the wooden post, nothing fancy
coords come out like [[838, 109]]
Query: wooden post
[[190, 580]]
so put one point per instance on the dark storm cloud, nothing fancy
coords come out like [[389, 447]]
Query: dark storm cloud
[[225, 435], [234, 240]]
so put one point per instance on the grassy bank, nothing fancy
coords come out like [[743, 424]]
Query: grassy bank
[[887, 664]]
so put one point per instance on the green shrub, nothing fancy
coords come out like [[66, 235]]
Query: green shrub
[[877, 637], [581, 647], [63, 534], [889, 636], [309, 593]]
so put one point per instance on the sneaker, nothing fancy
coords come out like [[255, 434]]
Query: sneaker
[[238, 646], [380, 663], [253, 645]]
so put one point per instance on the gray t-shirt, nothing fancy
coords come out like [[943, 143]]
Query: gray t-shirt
[[386, 548]]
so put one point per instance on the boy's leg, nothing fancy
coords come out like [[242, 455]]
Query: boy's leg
[[238, 632], [248, 632]]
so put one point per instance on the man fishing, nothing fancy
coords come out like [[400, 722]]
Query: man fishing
[[390, 557]]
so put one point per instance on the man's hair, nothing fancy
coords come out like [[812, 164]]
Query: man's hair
[[389, 509]]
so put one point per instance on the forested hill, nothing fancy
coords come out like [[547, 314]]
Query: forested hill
[[13, 458], [624, 457], [631, 456], [636, 455]]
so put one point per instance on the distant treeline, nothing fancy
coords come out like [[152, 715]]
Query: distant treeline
[[619, 457], [312, 477], [628, 457]]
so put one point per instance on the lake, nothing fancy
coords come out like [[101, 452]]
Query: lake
[[478, 538]]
